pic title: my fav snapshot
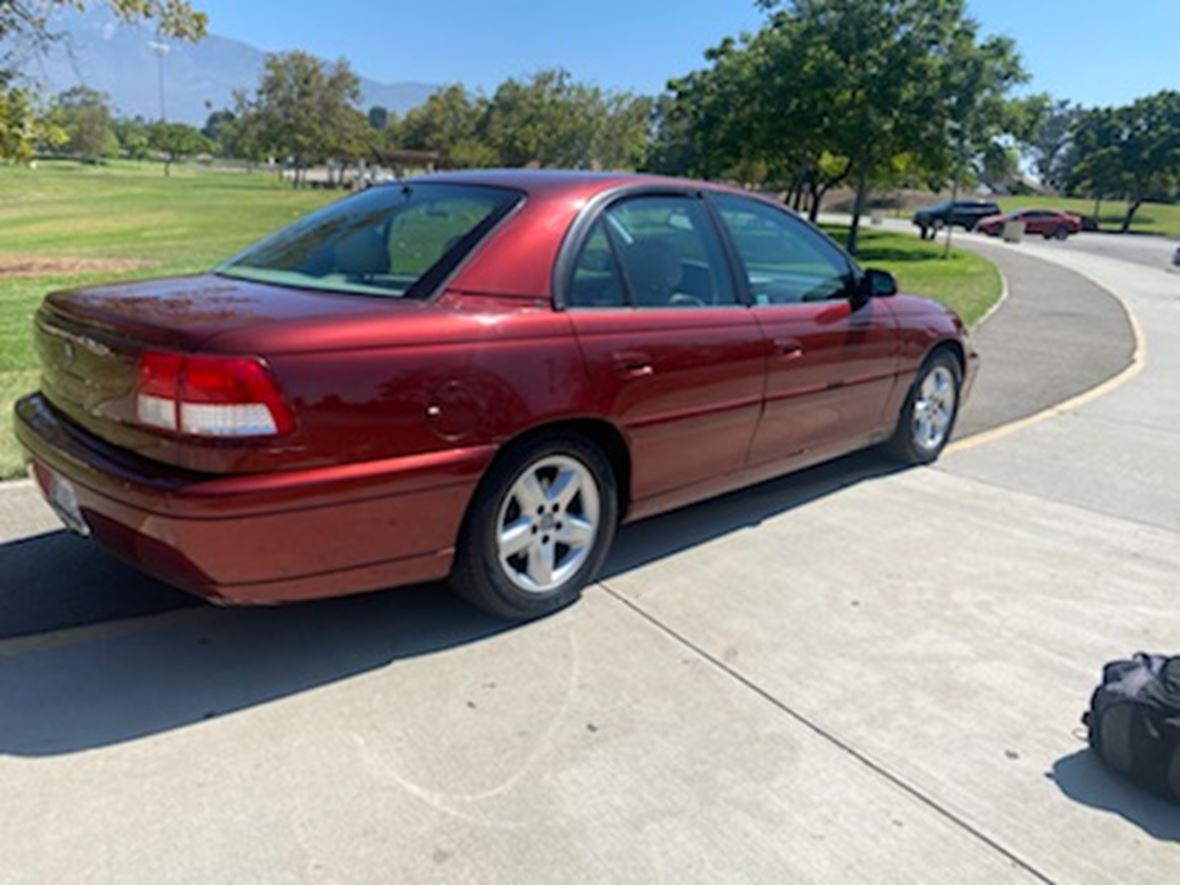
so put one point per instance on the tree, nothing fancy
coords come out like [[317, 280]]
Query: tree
[[1050, 141], [351, 140], [1131, 151], [28, 20], [23, 127], [977, 112], [887, 77], [241, 136], [215, 122], [1148, 148], [876, 90], [623, 132], [26, 23], [1098, 171], [132, 135], [378, 117], [85, 116], [449, 122], [175, 141], [549, 119], [300, 108]]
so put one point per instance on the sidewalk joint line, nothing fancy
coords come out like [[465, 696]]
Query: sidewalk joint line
[[1059, 502], [876, 767]]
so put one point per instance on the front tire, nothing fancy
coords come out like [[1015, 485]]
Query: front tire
[[928, 415], [539, 528]]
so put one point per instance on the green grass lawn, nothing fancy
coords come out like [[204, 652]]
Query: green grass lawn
[[181, 224], [196, 218]]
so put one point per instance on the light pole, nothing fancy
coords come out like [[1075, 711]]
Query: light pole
[[160, 48]]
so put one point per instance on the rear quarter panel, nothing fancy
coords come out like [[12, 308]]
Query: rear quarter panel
[[450, 378]]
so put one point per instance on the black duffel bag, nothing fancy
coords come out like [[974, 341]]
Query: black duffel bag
[[1134, 721]]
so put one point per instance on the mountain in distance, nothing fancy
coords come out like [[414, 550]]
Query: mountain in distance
[[105, 54]]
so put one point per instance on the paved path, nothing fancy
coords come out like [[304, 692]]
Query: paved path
[[855, 674], [1057, 335], [1150, 251]]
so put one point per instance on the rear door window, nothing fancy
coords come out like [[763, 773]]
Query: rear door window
[[596, 281], [669, 252]]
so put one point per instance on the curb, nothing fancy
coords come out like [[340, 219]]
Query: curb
[[999, 302]]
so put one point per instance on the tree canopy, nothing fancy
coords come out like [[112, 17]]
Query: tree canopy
[[26, 23], [830, 90], [175, 141]]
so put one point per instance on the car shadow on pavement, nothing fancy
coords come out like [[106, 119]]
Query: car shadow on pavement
[[653, 539], [58, 580], [120, 678], [1082, 777], [119, 681]]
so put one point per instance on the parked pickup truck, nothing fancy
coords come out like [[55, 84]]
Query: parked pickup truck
[[965, 213]]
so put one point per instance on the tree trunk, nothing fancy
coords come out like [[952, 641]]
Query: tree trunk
[[1097, 209], [1130, 216], [816, 198], [168, 167], [946, 252], [862, 188]]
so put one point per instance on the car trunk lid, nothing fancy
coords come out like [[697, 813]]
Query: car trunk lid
[[89, 342]]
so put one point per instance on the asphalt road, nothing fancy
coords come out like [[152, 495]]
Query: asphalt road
[[1057, 335], [854, 674]]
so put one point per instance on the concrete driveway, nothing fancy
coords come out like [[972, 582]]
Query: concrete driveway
[[855, 674]]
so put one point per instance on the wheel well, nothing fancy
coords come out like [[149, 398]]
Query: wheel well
[[956, 350], [603, 434]]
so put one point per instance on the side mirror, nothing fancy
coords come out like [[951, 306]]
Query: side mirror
[[879, 283]]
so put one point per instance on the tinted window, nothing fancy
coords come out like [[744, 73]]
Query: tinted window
[[785, 261], [669, 252], [394, 240], [596, 281]]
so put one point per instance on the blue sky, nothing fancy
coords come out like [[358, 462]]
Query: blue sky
[[1092, 51]]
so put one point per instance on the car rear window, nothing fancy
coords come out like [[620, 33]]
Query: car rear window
[[391, 240]]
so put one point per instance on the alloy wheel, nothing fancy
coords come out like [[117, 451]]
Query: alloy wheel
[[547, 523], [934, 408]]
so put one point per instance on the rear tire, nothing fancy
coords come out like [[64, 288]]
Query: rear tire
[[538, 529], [928, 415]]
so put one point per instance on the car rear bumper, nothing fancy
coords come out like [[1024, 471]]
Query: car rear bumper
[[261, 538]]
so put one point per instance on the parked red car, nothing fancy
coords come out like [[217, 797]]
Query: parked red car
[[472, 376], [1050, 223]]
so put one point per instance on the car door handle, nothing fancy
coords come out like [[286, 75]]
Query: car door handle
[[633, 364], [789, 348]]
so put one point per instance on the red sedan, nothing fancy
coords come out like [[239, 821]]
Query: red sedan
[[472, 376], [1049, 223]]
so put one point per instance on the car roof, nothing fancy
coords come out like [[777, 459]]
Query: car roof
[[555, 182], [518, 258]]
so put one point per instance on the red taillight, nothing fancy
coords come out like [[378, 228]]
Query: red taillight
[[210, 396]]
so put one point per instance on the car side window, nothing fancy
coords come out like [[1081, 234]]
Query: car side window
[[669, 252], [596, 281], [784, 260]]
